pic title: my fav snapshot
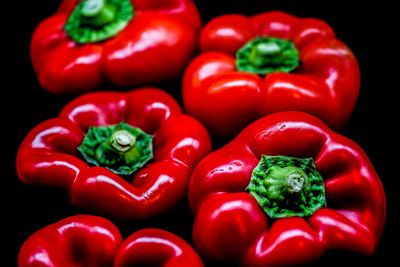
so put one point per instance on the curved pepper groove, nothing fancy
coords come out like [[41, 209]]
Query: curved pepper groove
[[152, 43], [91, 241], [271, 62], [276, 157], [153, 247], [49, 154]]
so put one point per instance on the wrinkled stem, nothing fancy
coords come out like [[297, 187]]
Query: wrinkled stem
[[264, 55], [94, 21], [120, 148], [287, 186], [296, 182]]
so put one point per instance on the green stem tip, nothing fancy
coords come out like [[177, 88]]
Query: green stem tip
[[287, 186], [96, 13]]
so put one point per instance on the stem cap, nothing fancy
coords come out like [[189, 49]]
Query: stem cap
[[264, 55], [120, 148], [287, 186], [98, 20]]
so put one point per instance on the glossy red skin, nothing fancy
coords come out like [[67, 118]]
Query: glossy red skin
[[90, 241], [226, 100], [76, 241], [155, 46], [225, 214], [49, 156], [153, 247]]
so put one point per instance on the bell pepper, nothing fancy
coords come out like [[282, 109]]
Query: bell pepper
[[253, 66], [284, 191], [91, 241], [123, 42], [125, 155]]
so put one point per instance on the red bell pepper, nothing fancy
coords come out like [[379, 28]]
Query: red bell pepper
[[92, 241], [284, 191], [254, 66], [129, 170], [124, 42]]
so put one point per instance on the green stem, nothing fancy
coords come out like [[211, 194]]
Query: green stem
[[287, 186], [98, 20], [122, 141], [264, 55], [97, 13], [261, 51], [120, 148]]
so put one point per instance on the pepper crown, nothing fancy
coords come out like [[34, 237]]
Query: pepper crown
[[263, 55], [98, 20], [120, 148], [287, 186]]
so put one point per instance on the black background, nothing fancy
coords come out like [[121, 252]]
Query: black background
[[368, 28]]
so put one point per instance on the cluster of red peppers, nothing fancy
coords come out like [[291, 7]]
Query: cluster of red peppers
[[282, 192]]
